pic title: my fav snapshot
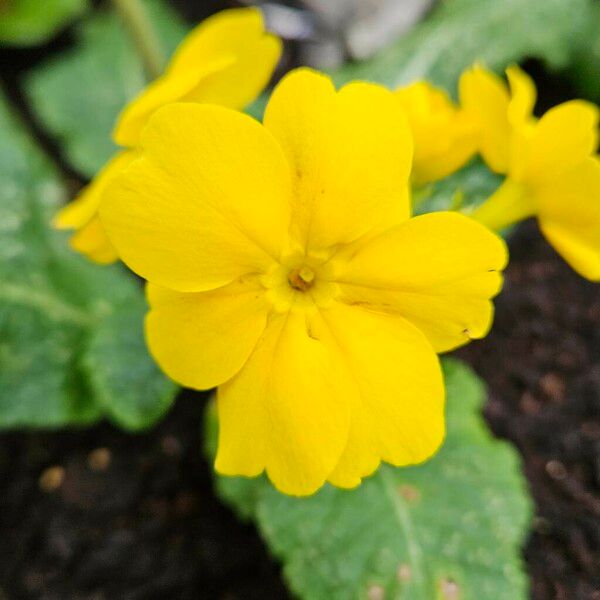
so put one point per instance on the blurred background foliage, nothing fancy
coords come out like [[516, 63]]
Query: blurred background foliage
[[71, 340], [28, 22], [71, 343]]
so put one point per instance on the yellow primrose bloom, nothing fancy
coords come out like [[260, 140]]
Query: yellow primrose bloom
[[497, 111], [552, 170], [228, 60], [284, 268], [444, 134]]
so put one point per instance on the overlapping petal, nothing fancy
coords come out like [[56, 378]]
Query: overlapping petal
[[288, 410], [438, 270], [565, 136], [485, 97], [81, 210], [92, 241], [444, 135], [82, 214], [203, 339], [498, 111], [569, 216], [523, 95], [208, 202], [227, 60], [398, 415], [160, 92], [350, 153], [228, 32]]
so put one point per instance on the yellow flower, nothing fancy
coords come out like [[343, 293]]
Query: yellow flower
[[283, 268], [552, 170], [444, 135], [228, 60]]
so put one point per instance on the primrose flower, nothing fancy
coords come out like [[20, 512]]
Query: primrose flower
[[444, 134], [552, 170], [284, 268], [228, 60]]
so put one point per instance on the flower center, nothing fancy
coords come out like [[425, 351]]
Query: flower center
[[300, 282], [301, 278]]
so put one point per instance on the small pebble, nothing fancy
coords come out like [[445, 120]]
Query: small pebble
[[51, 479], [553, 386], [99, 459], [529, 404], [556, 469]]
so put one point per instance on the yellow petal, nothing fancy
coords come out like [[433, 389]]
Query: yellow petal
[[238, 33], [523, 97], [569, 217], [160, 92], [202, 339], [484, 96], [287, 411], [566, 135], [510, 203], [350, 153], [444, 136], [227, 60], [92, 241], [208, 202], [437, 270], [81, 210], [398, 416], [228, 32]]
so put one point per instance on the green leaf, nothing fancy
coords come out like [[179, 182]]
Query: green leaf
[[71, 342], [450, 528], [28, 22], [459, 32], [132, 397], [463, 190], [78, 95]]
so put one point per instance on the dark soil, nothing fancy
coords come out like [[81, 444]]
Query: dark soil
[[133, 518], [100, 514], [542, 366]]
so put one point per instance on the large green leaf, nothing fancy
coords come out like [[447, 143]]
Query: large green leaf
[[79, 94], [132, 396], [27, 22], [71, 343], [450, 528], [496, 32]]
